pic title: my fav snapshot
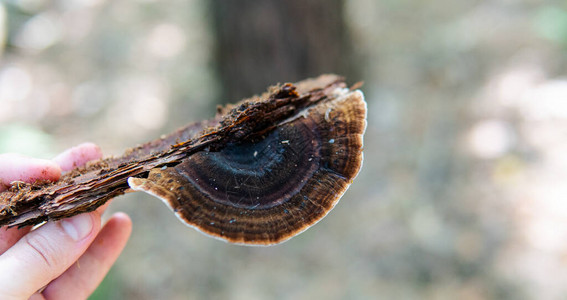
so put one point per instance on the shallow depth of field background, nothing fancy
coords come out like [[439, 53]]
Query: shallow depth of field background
[[463, 192]]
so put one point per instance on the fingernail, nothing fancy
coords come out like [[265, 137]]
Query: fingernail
[[78, 227]]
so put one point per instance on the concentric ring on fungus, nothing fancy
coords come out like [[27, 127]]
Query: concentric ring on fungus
[[267, 191], [259, 173]]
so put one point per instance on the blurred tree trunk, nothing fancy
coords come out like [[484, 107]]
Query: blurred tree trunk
[[260, 43]]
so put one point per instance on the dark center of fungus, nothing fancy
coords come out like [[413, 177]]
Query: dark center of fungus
[[257, 175]]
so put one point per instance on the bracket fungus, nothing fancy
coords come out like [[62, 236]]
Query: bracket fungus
[[259, 173]]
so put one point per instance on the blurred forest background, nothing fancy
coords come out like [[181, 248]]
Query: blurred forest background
[[463, 191]]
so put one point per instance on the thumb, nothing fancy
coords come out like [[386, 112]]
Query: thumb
[[44, 254]]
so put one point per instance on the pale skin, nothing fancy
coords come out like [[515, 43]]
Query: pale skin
[[64, 259]]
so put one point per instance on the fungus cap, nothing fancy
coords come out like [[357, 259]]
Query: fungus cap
[[267, 190]]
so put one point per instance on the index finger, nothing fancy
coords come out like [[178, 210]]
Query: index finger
[[78, 156], [16, 167]]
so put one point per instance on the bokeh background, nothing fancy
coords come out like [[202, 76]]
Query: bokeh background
[[463, 191]]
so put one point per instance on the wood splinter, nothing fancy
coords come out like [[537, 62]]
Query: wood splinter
[[262, 171]]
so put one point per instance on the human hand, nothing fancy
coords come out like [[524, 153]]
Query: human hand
[[66, 259]]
